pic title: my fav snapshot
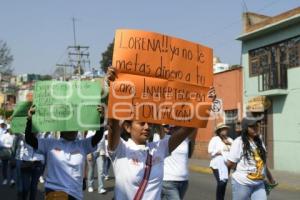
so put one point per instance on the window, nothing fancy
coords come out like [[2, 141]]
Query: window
[[231, 116], [285, 53]]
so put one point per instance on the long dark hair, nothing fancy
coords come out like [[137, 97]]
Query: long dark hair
[[124, 134], [247, 151]]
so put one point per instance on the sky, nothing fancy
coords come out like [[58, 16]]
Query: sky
[[38, 32]]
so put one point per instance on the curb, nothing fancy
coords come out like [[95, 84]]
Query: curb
[[199, 169], [207, 170]]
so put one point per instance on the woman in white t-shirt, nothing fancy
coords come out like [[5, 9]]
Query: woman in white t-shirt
[[218, 148], [135, 159], [248, 159]]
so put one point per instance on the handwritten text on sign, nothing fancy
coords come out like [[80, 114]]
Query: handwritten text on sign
[[66, 106], [161, 79], [160, 56], [158, 101]]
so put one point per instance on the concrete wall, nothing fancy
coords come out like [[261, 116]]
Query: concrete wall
[[286, 115]]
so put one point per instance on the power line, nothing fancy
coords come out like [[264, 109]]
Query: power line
[[234, 23]]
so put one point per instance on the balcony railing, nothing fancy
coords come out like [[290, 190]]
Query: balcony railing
[[273, 76]]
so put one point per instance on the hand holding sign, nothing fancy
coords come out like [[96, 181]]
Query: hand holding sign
[[31, 111], [111, 74]]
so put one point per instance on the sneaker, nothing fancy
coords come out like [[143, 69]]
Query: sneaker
[[12, 183], [106, 177], [102, 191], [4, 182], [41, 179], [90, 189]]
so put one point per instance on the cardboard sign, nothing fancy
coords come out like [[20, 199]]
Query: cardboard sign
[[21, 109], [18, 124], [19, 117], [161, 56], [66, 106], [161, 79]]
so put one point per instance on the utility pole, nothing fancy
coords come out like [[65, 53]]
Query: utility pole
[[64, 66], [74, 31], [78, 56]]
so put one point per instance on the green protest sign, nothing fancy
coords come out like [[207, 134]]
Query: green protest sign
[[21, 109], [19, 117], [66, 106], [18, 124]]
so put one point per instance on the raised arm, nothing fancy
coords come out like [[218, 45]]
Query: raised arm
[[114, 133], [99, 133], [30, 137], [180, 134], [114, 126]]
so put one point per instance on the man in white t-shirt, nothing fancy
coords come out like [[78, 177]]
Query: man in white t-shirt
[[107, 162], [65, 158], [176, 173], [96, 158]]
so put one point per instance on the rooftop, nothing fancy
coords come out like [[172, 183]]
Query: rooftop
[[255, 24]]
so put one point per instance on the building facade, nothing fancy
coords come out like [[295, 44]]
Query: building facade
[[271, 61], [229, 87]]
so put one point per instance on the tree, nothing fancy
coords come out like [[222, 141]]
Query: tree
[[5, 59], [46, 77], [107, 57]]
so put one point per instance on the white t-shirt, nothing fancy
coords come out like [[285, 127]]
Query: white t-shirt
[[156, 137], [65, 160], [90, 134], [129, 166], [6, 140], [217, 145], [27, 153], [103, 144], [176, 165], [3, 130], [250, 172]]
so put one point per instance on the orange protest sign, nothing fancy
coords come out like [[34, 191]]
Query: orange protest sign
[[154, 100], [161, 56], [161, 79]]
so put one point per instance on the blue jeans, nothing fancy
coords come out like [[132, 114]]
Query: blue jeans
[[100, 165], [91, 166], [106, 166], [221, 186], [5, 167], [246, 192], [90, 176], [174, 190]]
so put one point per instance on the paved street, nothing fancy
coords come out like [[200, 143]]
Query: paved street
[[202, 186]]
